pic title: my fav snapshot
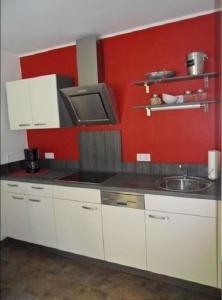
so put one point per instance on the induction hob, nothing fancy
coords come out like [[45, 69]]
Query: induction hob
[[88, 177]]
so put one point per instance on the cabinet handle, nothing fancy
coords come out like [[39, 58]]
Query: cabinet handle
[[17, 198], [24, 125], [12, 185], [37, 188], [40, 124], [88, 207], [35, 200], [159, 217], [119, 202]]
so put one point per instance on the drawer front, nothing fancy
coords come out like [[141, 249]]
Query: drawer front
[[39, 189], [77, 194], [14, 187], [191, 206]]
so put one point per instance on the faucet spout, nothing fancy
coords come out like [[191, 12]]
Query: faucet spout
[[184, 169]]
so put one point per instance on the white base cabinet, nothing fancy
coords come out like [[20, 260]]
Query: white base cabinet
[[124, 236], [182, 245], [28, 211], [174, 236], [41, 221], [79, 227], [16, 215]]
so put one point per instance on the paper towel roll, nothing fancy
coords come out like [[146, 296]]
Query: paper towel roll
[[213, 164]]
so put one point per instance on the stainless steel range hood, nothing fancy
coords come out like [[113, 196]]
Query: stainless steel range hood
[[91, 102]]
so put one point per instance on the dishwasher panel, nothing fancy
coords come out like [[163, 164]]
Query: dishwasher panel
[[124, 229], [129, 200]]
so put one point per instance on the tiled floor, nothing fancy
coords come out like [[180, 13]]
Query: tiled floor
[[29, 274]]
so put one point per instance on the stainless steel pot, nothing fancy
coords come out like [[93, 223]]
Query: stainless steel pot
[[195, 62]]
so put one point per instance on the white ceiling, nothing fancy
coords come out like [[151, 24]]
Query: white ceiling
[[34, 25]]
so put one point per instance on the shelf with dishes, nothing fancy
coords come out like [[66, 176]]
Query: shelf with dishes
[[176, 106], [163, 79]]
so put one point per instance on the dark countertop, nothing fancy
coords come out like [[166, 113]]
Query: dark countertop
[[122, 182]]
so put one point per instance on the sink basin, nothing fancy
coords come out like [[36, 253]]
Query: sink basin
[[183, 184]]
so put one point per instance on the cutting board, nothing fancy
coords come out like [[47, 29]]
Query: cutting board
[[100, 151]]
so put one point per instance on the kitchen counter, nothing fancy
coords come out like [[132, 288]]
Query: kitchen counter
[[123, 182]]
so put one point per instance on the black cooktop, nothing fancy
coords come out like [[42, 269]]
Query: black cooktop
[[88, 177]]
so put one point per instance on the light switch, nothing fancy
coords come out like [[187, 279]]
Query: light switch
[[143, 157]]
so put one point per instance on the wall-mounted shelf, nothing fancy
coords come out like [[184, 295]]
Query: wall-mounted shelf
[[148, 82], [176, 106]]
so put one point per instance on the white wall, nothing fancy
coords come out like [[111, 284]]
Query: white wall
[[13, 142]]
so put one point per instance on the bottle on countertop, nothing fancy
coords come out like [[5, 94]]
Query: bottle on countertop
[[155, 99]]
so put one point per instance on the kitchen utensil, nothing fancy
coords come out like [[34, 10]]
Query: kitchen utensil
[[195, 62]]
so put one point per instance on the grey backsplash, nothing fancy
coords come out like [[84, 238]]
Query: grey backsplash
[[139, 168]]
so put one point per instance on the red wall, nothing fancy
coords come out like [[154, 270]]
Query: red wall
[[170, 136]]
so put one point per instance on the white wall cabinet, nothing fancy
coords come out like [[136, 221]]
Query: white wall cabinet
[[19, 106], [34, 103], [124, 236], [182, 245]]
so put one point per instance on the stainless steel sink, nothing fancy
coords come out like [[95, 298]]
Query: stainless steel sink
[[183, 184]]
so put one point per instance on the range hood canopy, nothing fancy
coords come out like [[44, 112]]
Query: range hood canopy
[[91, 102]]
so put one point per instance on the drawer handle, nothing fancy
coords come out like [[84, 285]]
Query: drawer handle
[[90, 208], [17, 198], [119, 202], [35, 200], [40, 124], [24, 125], [12, 185], [159, 217], [37, 188]]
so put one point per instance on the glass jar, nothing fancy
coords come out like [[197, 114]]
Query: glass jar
[[188, 96], [200, 95], [155, 99]]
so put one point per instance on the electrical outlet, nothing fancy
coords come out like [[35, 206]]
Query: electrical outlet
[[143, 157], [49, 155]]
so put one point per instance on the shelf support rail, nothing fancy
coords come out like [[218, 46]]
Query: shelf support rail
[[149, 109]]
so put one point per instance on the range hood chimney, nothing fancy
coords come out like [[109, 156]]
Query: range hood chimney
[[91, 103], [87, 62]]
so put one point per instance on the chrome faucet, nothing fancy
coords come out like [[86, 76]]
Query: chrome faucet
[[184, 169]]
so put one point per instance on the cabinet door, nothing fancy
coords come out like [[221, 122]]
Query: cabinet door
[[19, 108], [79, 228], [16, 216], [182, 246], [44, 102], [124, 236], [41, 221]]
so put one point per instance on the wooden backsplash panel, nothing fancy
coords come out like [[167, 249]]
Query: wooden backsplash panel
[[100, 151]]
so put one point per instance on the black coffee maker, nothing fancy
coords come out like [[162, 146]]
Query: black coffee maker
[[32, 160]]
